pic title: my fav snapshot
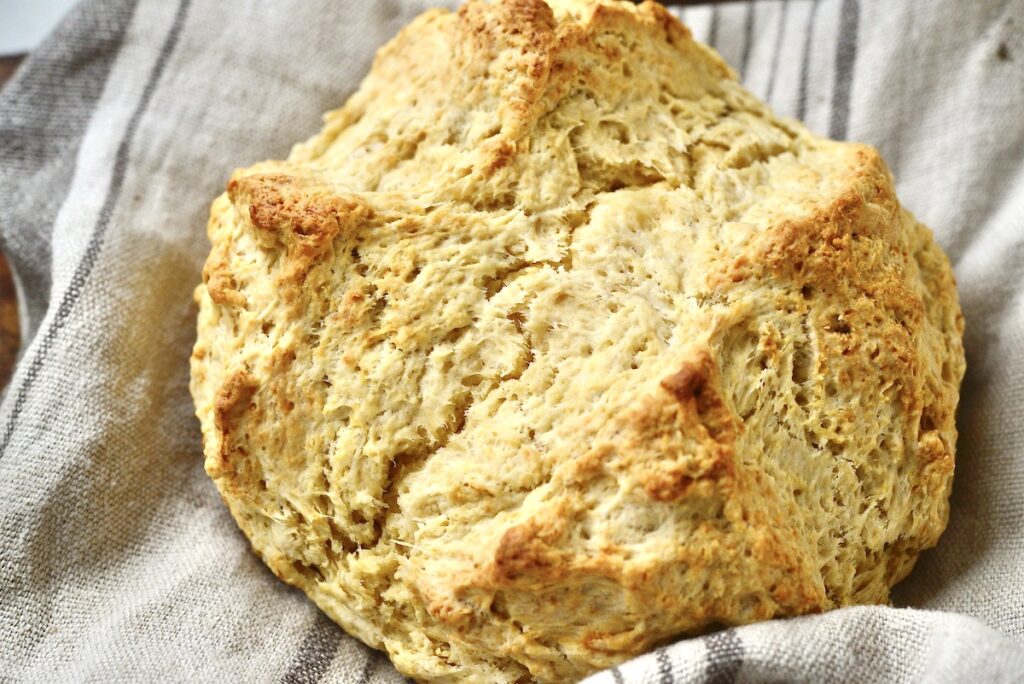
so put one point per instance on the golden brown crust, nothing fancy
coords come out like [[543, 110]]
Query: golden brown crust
[[556, 343]]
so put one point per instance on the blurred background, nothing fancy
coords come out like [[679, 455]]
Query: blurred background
[[23, 23]]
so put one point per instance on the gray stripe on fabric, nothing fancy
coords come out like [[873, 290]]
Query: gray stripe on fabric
[[725, 657], [713, 30], [664, 667], [846, 59], [617, 675], [805, 63], [41, 130], [92, 250], [748, 39], [776, 53], [372, 661], [317, 652]]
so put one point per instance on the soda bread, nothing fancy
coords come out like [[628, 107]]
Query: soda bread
[[555, 344]]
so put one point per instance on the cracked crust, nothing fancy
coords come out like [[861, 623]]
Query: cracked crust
[[555, 343]]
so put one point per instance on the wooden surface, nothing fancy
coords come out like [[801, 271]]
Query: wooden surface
[[7, 67], [10, 335]]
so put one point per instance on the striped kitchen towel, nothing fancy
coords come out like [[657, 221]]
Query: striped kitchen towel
[[117, 560]]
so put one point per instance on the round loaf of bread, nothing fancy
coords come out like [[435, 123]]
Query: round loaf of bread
[[556, 343]]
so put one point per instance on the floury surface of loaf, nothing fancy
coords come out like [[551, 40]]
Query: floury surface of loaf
[[556, 343]]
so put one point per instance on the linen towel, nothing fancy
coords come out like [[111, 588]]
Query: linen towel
[[118, 562]]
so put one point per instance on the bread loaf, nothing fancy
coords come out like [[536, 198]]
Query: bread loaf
[[556, 343]]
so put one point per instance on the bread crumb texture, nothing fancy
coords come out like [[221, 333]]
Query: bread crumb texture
[[556, 343]]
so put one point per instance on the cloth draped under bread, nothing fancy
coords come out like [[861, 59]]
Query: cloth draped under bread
[[117, 559]]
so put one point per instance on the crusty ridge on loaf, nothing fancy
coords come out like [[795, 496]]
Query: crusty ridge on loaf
[[556, 343]]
